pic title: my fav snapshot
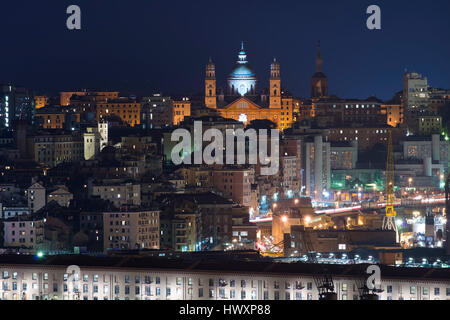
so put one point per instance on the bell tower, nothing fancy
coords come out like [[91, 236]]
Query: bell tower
[[210, 85], [319, 81], [275, 85]]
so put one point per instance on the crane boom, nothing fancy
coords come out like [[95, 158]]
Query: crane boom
[[322, 279]]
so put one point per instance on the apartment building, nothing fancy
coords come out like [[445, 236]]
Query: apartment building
[[129, 111], [347, 112], [131, 278], [131, 230], [51, 117], [12, 212], [430, 124], [53, 149], [24, 232], [234, 183], [415, 99], [181, 109], [119, 194]]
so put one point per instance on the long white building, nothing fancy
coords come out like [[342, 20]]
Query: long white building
[[149, 278]]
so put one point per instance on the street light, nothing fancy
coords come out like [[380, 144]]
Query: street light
[[307, 219]]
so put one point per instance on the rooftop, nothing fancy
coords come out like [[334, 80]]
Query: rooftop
[[222, 263]]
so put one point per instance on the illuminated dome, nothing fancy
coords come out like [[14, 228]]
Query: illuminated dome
[[242, 79], [242, 71]]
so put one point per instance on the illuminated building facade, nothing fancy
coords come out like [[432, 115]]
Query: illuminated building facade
[[159, 111], [394, 114], [367, 137], [434, 150], [235, 183], [344, 155], [53, 149], [415, 99], [16, 103], [242, 101], [121, 279], [24, 232], [131, 230], [40, 101], [430, 124], [50, 117], [331, 112], [317, 166], [129, 111], [181, 109]]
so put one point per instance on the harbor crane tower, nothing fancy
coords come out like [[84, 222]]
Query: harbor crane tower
[[389, 218]]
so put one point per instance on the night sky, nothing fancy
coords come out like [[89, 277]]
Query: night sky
[[143, 46]]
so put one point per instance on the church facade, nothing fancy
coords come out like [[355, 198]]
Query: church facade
[[242, 101]]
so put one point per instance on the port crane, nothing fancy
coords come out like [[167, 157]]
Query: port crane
[[322, 278], [389, 218]]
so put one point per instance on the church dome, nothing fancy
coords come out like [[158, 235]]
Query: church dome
[[242, 71], [242, 68], [242, 79]]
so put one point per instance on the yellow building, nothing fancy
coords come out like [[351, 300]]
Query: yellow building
[[40, 101], [242, 101], [53, 149], [128, 110], [394, 114], [430, 124], [181, 109], [50, 117]]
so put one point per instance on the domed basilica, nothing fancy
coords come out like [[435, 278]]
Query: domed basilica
[[242, 101]]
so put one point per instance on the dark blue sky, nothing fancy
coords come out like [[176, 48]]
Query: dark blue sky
[[148, 45]]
